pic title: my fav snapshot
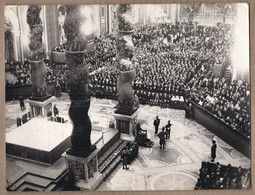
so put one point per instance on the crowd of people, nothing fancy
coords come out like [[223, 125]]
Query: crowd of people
[[22, 74], [167, 59], [129, 153], [228, 102], [216, 176], [170, 60], [226, 99], [102, 56], [174, 68]]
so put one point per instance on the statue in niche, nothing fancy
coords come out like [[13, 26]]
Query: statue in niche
[[61, 19]]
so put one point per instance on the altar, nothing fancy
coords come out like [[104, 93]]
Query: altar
[[42, 141]]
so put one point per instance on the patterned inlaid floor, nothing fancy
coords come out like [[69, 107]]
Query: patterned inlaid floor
[[175, 168]]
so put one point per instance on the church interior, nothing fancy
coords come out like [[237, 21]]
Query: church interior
[[127, 97]]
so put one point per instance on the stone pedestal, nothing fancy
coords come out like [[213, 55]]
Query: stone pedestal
[[83, 172], [39, 108], [126, 124]]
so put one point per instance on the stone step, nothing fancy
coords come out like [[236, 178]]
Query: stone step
[[112, 160], [111, 150], [35, 180], [32, 180], [112, 167], [32, 187]]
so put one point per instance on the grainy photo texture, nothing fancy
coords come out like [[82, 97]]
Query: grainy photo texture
[[127, 97]]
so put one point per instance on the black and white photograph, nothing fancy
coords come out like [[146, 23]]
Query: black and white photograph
[[127, 97]]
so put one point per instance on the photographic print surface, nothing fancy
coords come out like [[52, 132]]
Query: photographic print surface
[[127, 97]]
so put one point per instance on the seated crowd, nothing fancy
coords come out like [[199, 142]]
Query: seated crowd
[[101, 57], [174, 67], [216, 176], [228, 101], [169, 61], [167, 57], [22, 74]]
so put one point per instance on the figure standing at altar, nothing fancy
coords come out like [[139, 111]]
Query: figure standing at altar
[[213, 151], [124, 156], [168, 129], [58, 90], [156, 124], [21, 102], [162, 138], [55, 110]]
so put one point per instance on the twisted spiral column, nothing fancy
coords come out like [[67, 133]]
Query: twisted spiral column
[[37, 54], [126, 101], [77, 83]]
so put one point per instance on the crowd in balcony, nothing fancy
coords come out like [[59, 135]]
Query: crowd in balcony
[[228, 102]]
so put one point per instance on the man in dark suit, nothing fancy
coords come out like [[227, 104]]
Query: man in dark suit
[[213, 151], [124, 156], [162, 139], [58, 90], [21, 102], [168, 129], [55, 110], [156, 124]]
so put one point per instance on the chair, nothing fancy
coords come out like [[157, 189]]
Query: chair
[[142, 139]]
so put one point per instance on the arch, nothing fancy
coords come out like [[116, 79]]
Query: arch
[[10, 15], [13, 18]]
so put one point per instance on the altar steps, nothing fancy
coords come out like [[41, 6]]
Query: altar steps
[[30, 182], [36, 181], [111, 159]]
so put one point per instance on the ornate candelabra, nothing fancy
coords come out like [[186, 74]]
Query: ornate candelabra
[[126, 101], [77, 83], [37, 54]]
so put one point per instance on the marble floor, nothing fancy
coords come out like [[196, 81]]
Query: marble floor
[[175, 168]]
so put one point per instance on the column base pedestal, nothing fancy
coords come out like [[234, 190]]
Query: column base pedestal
[[92, 184], [83, 172], [82, 154], [41, 108], [40, 99], [126, 124]]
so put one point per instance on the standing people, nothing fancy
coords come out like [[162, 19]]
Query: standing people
[[213, 151], [124, 156], [187, 113], [162, 139], [190, 110], [156, 100], [58, 90], [156, 124], [55, 110], [21, 102], [168, 129]]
